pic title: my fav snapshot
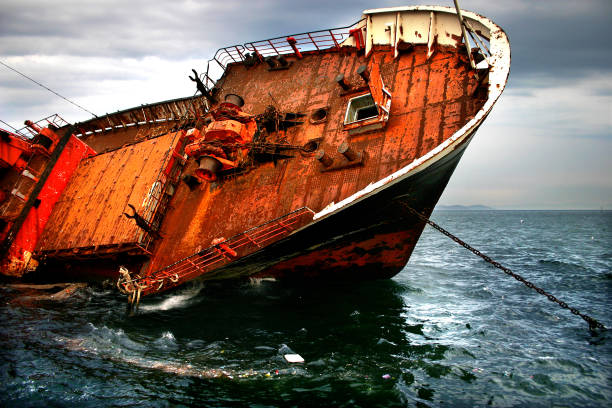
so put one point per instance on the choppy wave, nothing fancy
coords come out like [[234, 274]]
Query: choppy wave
[[116, 346], [564, 265], [104, 351], [449, 330]]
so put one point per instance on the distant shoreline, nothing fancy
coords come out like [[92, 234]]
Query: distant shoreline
[[486, 208]]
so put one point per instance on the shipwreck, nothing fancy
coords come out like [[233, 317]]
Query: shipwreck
[[297, 158]]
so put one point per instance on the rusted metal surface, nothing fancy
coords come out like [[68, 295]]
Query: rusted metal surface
[[430, 103], [60, 157], [269, 49], [14, 150], [371, 239], [176, 112], [111, 140], [375, 257], [220, 253], [155, 113], [89, 218], [433, 101], [18, 187]]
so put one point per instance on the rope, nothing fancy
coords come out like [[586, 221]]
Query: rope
[[593, 324], [48, 89]]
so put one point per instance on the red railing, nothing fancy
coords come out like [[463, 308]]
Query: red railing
[[14, 132], [55, 120], [311, 41], [218, 255]]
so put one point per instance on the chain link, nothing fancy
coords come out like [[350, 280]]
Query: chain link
[[593, 324]]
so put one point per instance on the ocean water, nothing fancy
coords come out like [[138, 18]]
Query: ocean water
[[449, 330]]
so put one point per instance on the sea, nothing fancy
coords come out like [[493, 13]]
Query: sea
[[450, 330]]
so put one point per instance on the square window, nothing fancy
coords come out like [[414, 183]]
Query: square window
[[360, 108]]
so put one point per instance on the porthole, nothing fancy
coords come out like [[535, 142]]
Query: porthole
[[319, 115], [311, 146]]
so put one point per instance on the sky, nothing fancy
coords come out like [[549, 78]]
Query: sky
[[546, 145]]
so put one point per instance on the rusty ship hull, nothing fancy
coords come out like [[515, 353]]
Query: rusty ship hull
[[303, 160], [371, 239]]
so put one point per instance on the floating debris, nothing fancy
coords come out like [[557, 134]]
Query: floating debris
[[68, 290], [293, 358]]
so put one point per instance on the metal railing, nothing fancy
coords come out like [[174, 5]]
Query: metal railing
[[310, 41], [154, 205], [55, 120], [219, 254], [14, 132]]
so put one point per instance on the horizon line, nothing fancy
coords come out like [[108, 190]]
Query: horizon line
[[488, 208]]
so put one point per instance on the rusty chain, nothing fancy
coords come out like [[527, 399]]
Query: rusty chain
[[593, 324]]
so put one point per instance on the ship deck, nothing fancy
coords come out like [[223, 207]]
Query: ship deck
[[432, 98], [89, 221]]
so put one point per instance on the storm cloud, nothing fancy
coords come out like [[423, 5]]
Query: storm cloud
[[546, 144]]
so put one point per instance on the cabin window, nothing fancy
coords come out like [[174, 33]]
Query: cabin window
[[360, 108]]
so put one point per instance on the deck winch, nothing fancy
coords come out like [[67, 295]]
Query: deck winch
[[225, 141]]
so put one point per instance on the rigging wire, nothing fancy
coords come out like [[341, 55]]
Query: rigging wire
[[48, 89], [8, 124]]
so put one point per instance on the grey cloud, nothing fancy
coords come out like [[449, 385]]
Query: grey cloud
[[548, 38], [168, 30], [557, 39], [555, 44]]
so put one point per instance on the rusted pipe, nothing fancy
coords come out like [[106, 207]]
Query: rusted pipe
[[324, 158], [345, 150], [234, 99], [32, 126], [363, 73], [340, 80], [208, 168]]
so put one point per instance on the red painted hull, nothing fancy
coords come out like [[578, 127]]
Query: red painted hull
[[16, 258]]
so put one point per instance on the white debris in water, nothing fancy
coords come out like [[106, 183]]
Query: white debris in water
[[293, 358]]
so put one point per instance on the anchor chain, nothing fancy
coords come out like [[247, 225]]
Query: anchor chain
[[593, 324]]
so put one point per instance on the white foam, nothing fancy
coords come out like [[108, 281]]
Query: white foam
[[174, 301]]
